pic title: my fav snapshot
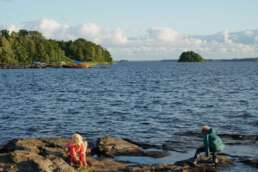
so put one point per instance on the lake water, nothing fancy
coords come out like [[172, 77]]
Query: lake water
[[144, 101]]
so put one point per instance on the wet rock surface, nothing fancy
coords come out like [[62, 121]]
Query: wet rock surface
[[49, 154], [251, 162], [203, 165]]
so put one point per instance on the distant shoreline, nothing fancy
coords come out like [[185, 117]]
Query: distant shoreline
[[3, 66], [47, 66], [240, 59], [175, 60], [234, 59]]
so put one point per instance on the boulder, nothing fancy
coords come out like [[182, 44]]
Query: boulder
[[205, 164], [112, 146]]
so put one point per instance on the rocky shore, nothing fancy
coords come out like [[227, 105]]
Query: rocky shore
[[28, 66], [49, 154], [39, 66]]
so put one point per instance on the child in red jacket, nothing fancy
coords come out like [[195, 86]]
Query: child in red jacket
[[77, 150]]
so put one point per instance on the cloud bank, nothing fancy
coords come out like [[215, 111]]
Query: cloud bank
[[153, 43]]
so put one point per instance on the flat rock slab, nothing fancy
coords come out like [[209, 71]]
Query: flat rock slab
[[113, 146]]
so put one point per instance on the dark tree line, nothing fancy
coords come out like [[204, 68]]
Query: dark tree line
[[26, 47], [190, 56]]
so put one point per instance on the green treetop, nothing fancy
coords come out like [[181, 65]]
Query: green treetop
[[190, 56], [25, 47]]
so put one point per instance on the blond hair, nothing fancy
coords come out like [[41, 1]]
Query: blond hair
[[77, 139], [205, 128]]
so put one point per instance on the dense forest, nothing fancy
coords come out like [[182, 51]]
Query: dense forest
[[23, 48]]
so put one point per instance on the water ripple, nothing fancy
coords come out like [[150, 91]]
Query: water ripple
[[146, 101]]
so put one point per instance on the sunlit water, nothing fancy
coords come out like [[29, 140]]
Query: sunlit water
[[144, 101]]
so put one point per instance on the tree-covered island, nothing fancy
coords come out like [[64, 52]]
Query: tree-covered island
[[25, 48], [190, 56]]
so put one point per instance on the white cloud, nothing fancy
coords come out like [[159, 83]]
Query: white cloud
[[90, 29], [117, 37], [227, 37], [152, 43], [49, 25], [13, 28], [163, 34]]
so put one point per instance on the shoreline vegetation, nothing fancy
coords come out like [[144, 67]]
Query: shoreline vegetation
[[30, 49]]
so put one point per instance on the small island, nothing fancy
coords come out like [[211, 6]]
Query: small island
[[190, 56]]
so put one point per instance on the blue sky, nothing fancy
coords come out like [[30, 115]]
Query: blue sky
[[186, 16], [133, 19]]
